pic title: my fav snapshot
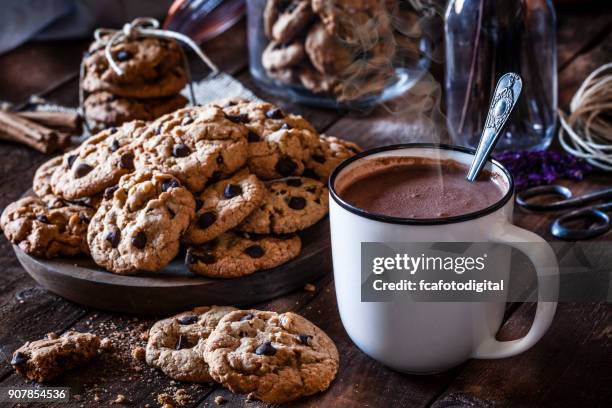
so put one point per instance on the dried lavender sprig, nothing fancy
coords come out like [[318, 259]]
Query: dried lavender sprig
[[537, 168]]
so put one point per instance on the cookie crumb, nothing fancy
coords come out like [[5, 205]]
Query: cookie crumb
[[165, 400], [96, 398], [120, 399], [309, 287], [219, 400], [105, 343], [251, 397], [51, 336], [138, 353], [181, 397]]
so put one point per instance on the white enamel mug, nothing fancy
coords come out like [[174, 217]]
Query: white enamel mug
[[430, 337]]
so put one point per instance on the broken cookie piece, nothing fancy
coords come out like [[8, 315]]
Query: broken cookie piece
[[43, 360]]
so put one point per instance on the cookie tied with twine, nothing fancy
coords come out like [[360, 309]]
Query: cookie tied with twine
[[142, 27]]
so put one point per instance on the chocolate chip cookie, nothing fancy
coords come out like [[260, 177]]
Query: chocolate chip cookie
[[138, 227], [232, 255], [43, 360], [195, 145], [103, 109], [355, 22], [279, 143], [282, 153], [283, 19], [41, 184], [176, 344], [47, 232], [331, 152], [141, 59], [223, 205], [326, 52], [278, 357], [97, 163], [278, 56], [290, 205]]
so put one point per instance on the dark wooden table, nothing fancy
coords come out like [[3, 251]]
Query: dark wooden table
[[571, 366]]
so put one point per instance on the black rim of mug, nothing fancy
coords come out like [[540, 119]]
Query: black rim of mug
[[418, 221]]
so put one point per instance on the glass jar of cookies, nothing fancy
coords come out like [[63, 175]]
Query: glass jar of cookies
[[336, 53]]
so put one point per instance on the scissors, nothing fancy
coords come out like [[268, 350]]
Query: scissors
[[595, 213]]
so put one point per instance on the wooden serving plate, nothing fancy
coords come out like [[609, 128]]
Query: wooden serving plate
[[174, 288]]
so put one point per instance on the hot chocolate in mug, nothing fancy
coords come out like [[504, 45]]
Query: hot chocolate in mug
[[429, 337]]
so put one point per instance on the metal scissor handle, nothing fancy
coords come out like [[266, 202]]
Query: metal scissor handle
[[567, 201], [597, 213]]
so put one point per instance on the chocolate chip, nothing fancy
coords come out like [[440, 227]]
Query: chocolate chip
[[182, 343], [207, 219], [112, 129], [253, 137], [265, 349], [84, 219], [139, 240], [219, 159], [81, 170], [318, 200], [310, 173], [286, 126], [319, 158], [295, 182], [207, 258], [126, 161], [285, 166], [199, 203], [70, 160], [275, 114], [364, 55], [241, 118], [180, 150], [304, 338], [187, 121], [124, 55], [216, 176], [108, 193], [168, 184], [311, 189], [114, 145], [189, 319], [43, 218], [19, 358], [231, 191], [254, 251], [297, 203], [113, 237], [231, 103], [246, 317], [172, 213]]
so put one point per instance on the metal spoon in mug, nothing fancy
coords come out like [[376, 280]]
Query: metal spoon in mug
[[504, 99]]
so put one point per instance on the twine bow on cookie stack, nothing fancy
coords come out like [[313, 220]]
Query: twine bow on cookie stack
[[139, 28]]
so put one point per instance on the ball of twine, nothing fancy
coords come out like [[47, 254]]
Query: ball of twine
[[587, 131]]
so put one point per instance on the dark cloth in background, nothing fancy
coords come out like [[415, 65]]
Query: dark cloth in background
[[24, 20]]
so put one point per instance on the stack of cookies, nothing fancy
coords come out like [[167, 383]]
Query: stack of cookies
[[231, 181], [343, 48], [153, 76], [276, 357]]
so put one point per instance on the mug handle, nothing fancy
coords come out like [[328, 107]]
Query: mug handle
[[547, 269]]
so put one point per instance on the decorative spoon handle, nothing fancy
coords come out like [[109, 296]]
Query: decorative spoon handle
[[504, 99]]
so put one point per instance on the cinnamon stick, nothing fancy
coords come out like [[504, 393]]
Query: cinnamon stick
[[63, 121], [15, 128]]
